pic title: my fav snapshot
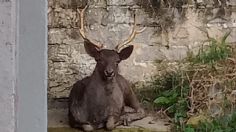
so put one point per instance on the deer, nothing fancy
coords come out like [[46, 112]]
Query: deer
[[98, 101]]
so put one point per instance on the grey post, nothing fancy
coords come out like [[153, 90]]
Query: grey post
[[31, 75]]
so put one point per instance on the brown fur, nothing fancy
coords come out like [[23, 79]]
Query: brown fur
[[98, 101]]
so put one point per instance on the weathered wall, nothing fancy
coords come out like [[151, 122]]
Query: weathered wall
[[7, 65], [172, 29]]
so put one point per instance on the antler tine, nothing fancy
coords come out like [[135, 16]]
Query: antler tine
[[131, 36], [81, 13], [81, 30]]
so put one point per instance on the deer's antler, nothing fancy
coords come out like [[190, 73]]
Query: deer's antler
[[131, 36], [81, 30]]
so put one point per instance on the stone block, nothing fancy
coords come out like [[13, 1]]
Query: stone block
[[137, 71], [67, 4], [120, 2], [174, 52], [64, 36], [98, 3], [63, 18], [54, 56], [96, 16], [151, 36], [62, 75], [144, 19], [153, 55], [120, 15], [56, 36], [232, 3]]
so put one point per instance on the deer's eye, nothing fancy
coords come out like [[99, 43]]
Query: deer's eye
[[117, 62], [98, 59]]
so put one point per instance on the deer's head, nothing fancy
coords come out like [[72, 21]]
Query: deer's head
[[107, 60]]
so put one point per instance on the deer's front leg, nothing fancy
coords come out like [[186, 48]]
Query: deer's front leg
[[78, 118], [132, 101], [111, 123], [114, 116]]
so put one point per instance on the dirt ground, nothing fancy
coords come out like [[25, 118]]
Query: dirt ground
[[58, 121]]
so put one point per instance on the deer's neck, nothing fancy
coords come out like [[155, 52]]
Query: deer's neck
[[108, 85], [100, 77]]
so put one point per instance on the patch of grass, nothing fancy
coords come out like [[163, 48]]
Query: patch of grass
[[224, 123], [169, 93], [217, 50], [174, 98], [185, 89], [182, 91]]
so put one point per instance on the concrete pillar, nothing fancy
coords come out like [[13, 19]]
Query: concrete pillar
[[7, 65], [23, 65]]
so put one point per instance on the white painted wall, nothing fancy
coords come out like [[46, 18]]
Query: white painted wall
[[23, 66], [7, 65]]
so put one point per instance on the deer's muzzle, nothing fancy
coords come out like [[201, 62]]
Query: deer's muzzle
[[109, 73]]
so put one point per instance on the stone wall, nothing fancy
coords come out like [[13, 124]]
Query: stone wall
[[173, 28]]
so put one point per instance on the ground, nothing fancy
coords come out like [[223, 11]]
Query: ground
[[58, 121]]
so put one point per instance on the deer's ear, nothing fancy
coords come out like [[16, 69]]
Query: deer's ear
[[90, 48], [126, 52]]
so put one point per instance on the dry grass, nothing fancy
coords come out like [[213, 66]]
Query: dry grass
[[212, 85]]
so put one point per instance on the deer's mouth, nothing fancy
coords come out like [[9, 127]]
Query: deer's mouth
[[109, 76]]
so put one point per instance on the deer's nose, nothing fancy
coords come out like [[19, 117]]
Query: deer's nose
[[109, 72]]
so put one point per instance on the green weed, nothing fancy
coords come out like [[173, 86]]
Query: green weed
[[225, 123], [168, 92], [217, 50], [174, 97]]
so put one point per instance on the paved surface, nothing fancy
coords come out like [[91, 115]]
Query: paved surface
[[58, 121]]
